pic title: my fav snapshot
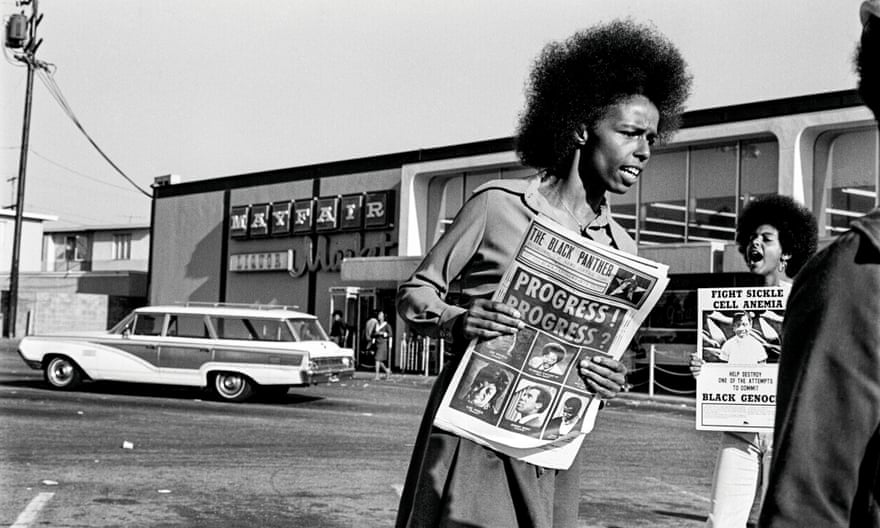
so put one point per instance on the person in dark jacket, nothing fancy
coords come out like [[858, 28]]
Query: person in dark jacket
[[826, 467]]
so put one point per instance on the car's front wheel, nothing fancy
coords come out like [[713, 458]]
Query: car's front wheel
[[62, 373], [232, 387]]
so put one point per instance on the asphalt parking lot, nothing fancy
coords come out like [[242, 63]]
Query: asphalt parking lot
[[324, 456]]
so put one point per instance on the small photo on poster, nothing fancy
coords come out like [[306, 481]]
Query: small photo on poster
[[741, 336]]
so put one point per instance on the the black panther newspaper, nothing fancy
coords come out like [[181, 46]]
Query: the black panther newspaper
[[739, 331], [522, 395]]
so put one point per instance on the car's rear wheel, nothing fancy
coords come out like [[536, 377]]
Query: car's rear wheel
[[62, 373], [232, 387]]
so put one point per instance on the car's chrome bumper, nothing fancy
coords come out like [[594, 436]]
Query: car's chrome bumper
[[328, 376], [36, 365]]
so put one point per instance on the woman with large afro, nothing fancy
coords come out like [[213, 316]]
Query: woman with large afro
[[595, 105], [776, 236]]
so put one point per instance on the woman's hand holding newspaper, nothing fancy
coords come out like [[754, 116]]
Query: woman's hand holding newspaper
[[487, 319], [603, 376]]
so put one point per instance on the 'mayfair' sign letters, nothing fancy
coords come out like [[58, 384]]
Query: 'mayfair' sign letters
[[352, 212]]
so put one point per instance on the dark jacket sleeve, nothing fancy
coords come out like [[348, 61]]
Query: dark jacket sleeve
[[828, 398]]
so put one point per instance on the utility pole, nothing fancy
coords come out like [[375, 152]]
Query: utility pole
[[27, 41]]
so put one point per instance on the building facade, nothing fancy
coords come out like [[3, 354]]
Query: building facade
[[87, 278], [342, 235], [29, 256]]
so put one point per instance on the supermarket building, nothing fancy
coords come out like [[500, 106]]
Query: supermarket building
[[342, 235]]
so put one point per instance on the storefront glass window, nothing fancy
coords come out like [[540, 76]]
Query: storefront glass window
[[447, 194], [663, 188], [760, 165], [850, 188], [712, 195], [445, 198]]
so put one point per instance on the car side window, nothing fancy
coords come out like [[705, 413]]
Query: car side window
[[148, 324], [271, 330], [234, 328], [185, 325]]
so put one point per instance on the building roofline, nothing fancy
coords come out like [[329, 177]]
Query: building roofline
[[92, 228], [29, 216], [695, 118]]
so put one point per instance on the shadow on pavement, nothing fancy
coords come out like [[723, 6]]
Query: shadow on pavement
[[159, 391]]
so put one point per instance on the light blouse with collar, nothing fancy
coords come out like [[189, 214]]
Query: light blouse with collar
[[478, 247]]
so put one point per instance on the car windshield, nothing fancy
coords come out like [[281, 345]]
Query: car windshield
[[307, 330]]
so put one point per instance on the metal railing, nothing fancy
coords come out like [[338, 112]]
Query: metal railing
[[424, 355], [652, 369], [419, 354]]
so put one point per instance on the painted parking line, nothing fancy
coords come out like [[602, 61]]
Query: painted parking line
[[30, 513], [680, 490]]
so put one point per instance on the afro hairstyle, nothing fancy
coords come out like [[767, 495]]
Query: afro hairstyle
[[798, 232], [574, 82], [867, 64]]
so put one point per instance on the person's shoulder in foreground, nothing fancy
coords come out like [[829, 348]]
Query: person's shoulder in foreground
[[826, 465]]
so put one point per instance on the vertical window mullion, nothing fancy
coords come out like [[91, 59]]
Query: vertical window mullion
[[687, 194]]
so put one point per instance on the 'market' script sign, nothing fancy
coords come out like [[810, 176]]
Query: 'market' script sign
[[300, 260]]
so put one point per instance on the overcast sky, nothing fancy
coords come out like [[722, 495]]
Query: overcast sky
[[215, 88]]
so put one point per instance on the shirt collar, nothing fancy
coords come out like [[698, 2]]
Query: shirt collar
[[536, 201]]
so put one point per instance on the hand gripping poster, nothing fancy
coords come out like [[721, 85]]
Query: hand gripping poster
[[739, 332], [522, 395]]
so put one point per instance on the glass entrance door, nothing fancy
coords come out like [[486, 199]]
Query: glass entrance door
[[356, 305]]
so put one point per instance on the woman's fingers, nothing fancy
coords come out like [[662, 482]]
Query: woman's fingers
[[602, 375], [487, 319], [696, 364]]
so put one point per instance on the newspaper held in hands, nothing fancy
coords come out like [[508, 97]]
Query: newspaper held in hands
[[521, 394]]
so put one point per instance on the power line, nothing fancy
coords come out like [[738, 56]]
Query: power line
[[55, 210], [59, 165], [48, 79], [68, 169]]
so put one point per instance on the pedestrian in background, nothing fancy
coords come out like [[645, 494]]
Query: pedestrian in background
[[381, 335], [826, 470], [369, 344], [596, 103], [339, 329], [775, 235]]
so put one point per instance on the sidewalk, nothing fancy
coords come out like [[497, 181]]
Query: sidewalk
[[633, 400]]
